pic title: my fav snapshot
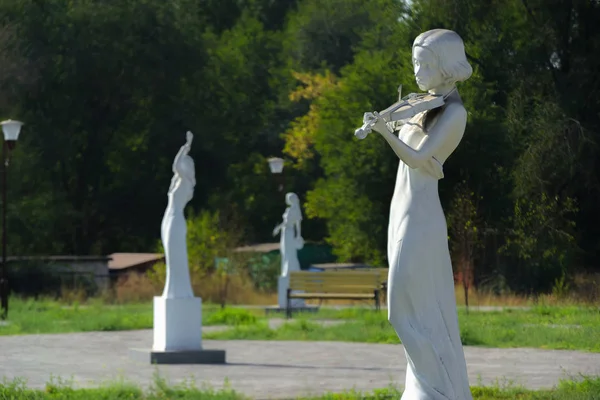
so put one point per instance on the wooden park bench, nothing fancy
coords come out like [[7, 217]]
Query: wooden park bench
[[342, 285], [383, 272], [383, 280], [383, 276]]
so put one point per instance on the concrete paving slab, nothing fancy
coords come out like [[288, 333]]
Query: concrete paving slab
[[268, 369]]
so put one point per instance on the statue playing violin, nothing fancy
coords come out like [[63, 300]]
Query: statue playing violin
[[420, 286], [402, 110]]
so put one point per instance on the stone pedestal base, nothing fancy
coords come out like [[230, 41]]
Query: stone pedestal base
[[282, 286], [178, 356], [177, 324], [178, 334]]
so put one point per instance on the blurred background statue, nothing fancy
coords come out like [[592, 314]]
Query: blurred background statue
[[173, 228], [290, 242], [291, 236]]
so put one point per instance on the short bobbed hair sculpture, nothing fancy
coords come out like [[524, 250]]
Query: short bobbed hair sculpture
[[449, 49]]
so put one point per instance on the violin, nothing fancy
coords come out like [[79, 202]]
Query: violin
[[406, 107]]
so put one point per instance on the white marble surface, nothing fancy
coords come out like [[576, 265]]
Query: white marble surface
[[177, 313], [421, 302], [173, 228], [177, 324], [290, 242]]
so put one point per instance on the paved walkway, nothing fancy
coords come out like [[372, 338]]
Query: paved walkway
[[269, 369]]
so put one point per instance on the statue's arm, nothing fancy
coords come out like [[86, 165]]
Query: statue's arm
[[173, 183], [448, 130], [183, 151], [299, 238], [177, 162]]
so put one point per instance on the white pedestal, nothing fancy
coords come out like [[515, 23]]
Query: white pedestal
[[177, 324], [282, 286], [178, 334]]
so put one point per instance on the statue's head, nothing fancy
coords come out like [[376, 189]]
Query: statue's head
[[439, 59], [291, 199]]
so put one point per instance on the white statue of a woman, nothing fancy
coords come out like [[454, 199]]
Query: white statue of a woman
[[291, 238], [173, 228], [421, 302]]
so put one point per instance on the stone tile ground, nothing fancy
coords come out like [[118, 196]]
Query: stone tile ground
[[269, 369]]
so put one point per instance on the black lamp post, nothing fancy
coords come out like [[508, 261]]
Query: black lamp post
[[276, 166], [11, 130]]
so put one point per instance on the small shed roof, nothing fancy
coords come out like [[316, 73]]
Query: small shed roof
[[128, 260]]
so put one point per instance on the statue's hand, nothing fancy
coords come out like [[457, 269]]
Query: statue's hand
[[365, 129], [299, 243], [276, 230], [371, 122], [369, 117], [378, 124]]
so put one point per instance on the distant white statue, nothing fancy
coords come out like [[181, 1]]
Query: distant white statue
[[173, 228], [421, 301], [291, 236]]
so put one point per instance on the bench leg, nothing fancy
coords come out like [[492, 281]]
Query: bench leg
[[288, 310], [377, 305]]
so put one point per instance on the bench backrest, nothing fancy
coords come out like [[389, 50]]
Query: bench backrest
[[383, 273], [335, 281]]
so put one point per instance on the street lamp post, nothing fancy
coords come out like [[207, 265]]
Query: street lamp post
[[276, 166], [11, 130]]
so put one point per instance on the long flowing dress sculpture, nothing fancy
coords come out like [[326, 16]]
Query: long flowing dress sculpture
[[290, 240], [173, 228], [421, 301]]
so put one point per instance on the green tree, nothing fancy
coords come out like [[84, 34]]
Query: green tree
[[465, 229], [354, 195], [109, 81]]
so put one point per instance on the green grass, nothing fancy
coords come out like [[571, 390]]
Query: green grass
[[372, 329], [582, 389], [574, 328], [45, 316], [230, 316], [160, 390], [566, 328]]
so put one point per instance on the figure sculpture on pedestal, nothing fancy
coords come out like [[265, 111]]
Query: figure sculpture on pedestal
[[173, 228], [289, 243], [291, 238], [421, 302], [177, 327]]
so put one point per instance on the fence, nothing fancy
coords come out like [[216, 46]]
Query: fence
[[49, 276]]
